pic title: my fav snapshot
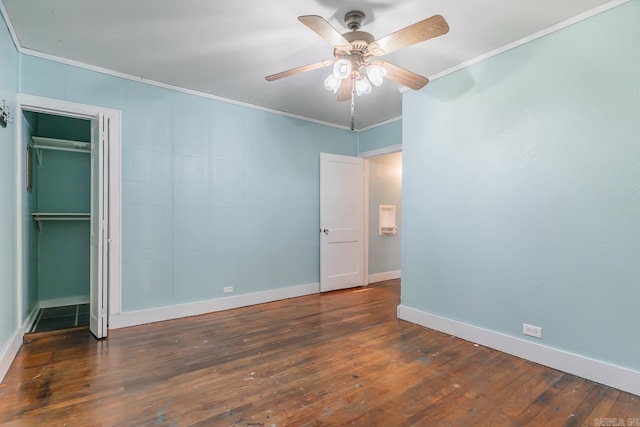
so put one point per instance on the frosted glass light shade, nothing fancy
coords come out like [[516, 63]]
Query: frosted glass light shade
[[376, 74], [363, 87], [342, 69], [332, 83]]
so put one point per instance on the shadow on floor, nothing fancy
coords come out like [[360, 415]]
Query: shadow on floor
[[55, 318]]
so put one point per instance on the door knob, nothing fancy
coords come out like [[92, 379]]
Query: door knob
[[325, 230]]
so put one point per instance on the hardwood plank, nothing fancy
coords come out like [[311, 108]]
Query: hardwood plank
[[603, 408], [341, 358], [561, 402], [470, 390]]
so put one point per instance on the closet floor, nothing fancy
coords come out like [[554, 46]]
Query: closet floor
[[54, 318]]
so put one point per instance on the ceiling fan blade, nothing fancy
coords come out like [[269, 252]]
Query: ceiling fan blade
[[325, 30], [346, 87], [416, 33], [298, 70], [402, 76]]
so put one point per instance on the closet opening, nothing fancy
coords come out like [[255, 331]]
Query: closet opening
[[58, 183]]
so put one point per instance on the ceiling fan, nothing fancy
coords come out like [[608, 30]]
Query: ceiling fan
[[354, 68]]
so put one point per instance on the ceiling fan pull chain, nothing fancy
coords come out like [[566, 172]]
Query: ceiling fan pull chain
[[353, 102]]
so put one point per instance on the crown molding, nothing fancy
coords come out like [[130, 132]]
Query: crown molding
[[534, 36], [559, 26], [139, 79]]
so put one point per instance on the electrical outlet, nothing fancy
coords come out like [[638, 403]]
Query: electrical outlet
[[227, 289], [532, 331]]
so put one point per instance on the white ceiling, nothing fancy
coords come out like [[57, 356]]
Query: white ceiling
[[226, 48]]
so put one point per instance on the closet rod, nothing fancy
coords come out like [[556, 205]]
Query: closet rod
[[42, 143]]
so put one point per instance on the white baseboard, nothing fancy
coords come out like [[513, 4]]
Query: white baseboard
[[30, 320], [134, 318], [387, 275], [61, 302], [10, 352], [591, 369]]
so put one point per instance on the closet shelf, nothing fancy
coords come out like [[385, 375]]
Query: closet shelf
[[59, 216], [61, 144]]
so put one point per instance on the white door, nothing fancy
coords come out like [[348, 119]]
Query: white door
[[99, 207], [341, 222]]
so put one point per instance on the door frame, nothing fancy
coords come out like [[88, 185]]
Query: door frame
[[113, 176], [366, 155]]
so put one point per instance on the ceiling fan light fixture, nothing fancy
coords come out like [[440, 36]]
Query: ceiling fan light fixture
[[376, 74], [332, 83], [352, 52], [342, 69], [363, 87]]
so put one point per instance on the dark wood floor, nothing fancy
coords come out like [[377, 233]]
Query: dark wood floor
[[338, 359]]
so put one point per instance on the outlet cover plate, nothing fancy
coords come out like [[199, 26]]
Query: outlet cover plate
[[227, 289], [532, 331]]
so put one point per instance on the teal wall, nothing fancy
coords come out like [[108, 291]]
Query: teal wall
[[385, 188], [214, 194], [59, 127], [380, 137], [62, 184], [522, 191], [63, 260], [8, 221]]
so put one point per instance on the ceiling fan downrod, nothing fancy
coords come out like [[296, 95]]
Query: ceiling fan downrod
[[354, 20]]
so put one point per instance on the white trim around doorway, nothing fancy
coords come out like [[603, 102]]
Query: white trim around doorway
[[71, 109]]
